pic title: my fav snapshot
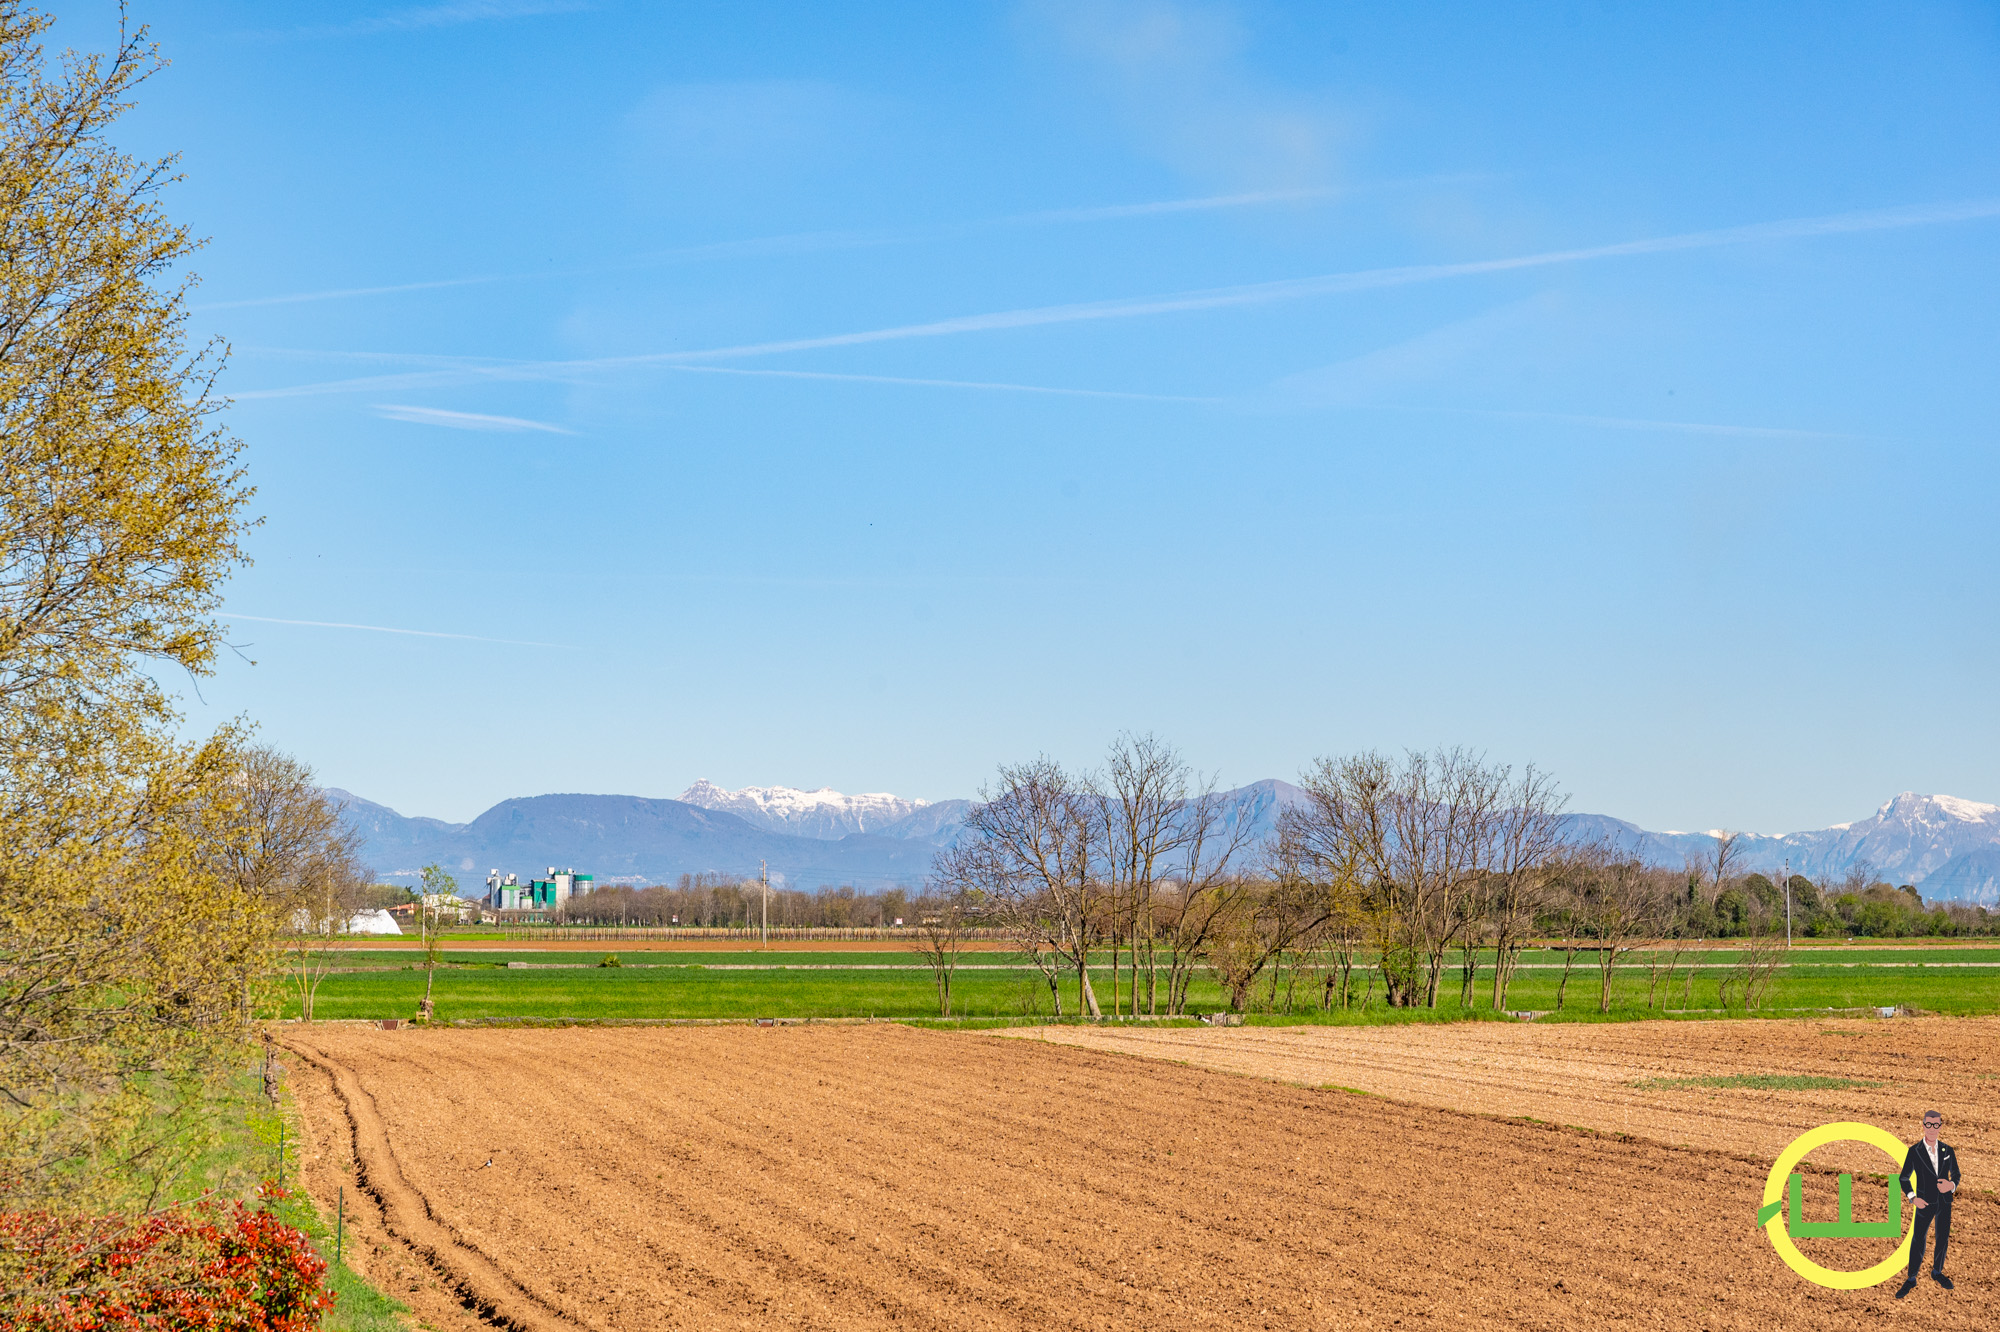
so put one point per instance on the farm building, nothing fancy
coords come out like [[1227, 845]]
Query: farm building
[[537, 896]]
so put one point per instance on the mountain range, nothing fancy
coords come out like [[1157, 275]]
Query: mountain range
[[1947, 846]]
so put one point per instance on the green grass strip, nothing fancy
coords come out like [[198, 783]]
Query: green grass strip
[[1758, 1082]]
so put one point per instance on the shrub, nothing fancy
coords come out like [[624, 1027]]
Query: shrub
[[213, 1267]]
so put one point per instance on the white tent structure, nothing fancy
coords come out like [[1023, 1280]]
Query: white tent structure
[[373, 922]]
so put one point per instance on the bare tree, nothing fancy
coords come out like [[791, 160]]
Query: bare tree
[[330, 895], [1346, 930], [1187, 917], [941, 921], [1756, 970], [1202, 884], [1143, 803], [1565, 912], [437, 906], [1618, 902], [282, 823], [1674, 930], [1716, 870], [277, 833], [1528, 837], [1474, 908], [1721, 862], [1264, 923], [1033, 844], [1420, 834], [1765, 956]]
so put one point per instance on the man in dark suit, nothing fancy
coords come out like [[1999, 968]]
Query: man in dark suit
[[1929, 1178]]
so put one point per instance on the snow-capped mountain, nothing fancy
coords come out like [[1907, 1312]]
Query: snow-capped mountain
[[1948, 847], [824, 813], [1909, 839]]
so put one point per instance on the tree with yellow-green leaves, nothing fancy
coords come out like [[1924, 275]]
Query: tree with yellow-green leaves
[[132, 934]]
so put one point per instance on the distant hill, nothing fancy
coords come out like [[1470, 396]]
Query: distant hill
[[1971, 876], [624, 839], [1910, 839], [1948, 846]]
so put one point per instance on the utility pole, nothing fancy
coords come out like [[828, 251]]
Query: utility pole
[[764, 934]]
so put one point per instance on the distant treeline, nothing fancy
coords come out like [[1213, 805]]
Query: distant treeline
[[1739, 907], [1743, 906], [1855, 907], [715, 900]]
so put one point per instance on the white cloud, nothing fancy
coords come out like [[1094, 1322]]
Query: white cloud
[[747, 119], [465, 420], [1176, 75]]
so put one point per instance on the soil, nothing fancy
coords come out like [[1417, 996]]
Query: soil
[[882, 1176], [1596, 1076]]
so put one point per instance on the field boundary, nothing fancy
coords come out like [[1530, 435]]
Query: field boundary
[[1409, 1017]]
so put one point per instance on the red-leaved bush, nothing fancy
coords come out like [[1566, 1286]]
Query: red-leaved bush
[[212, 1267]]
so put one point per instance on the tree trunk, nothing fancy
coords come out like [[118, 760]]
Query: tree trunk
[[1507, 951], [1562, 986], [1505, 955]]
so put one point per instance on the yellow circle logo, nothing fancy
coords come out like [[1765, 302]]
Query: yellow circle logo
[[1781, 1229]]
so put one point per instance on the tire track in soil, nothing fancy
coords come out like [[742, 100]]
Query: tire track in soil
[[874, 1177], [406, 1215]]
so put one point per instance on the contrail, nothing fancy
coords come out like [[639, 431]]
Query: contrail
[[384, 629], [1212, 298], [942, 383], [1289, 289], [1627, 423], [413, 379], [345, 292], [807, 241], [465, 420]]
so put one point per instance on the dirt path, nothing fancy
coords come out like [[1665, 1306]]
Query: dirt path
[[877, 1177], [1584, 1075]]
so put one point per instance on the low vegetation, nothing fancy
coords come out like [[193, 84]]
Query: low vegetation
[[996, 985], [1757, 1082]]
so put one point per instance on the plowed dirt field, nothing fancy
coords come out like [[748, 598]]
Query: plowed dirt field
[[878, 1176], [1609, 1077]]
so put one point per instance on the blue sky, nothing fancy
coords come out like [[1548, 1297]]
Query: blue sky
[[865, 395]]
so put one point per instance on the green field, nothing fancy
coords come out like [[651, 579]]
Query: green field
[[990, 985]]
